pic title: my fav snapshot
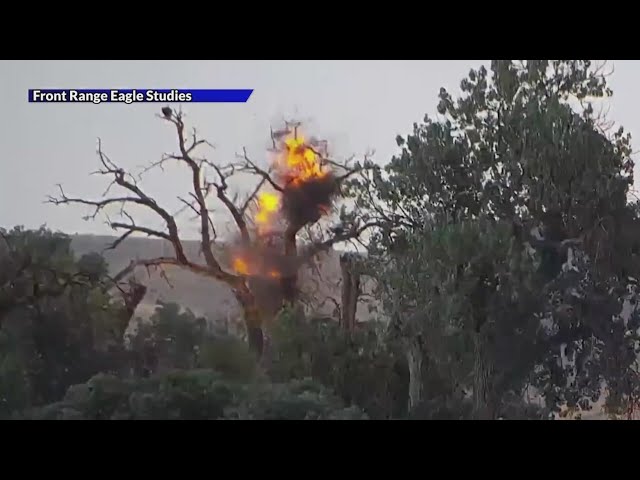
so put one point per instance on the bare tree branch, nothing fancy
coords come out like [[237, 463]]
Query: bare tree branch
[[200, 186], [196, 173], [121, 178], [99, 204], [134, 228], [140, 199], [232, 280], [118, 241], [188, 205], [158, 164], [248, 166], [353, 233], [252, 196], [238, 217]]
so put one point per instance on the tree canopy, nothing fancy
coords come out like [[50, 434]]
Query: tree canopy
[[503, 236]]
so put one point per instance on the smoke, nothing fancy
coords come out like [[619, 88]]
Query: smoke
[[268, 270], [264, 259]]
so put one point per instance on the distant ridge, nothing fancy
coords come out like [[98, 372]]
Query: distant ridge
[[203, 296]]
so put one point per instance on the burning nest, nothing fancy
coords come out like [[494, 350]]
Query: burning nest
[[309, 187], [305, 203]]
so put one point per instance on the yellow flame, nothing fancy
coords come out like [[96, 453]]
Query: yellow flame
[[301, 161], [268, 205]]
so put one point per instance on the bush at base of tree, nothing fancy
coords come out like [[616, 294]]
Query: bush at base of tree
[[296, 400], [175, 338], [194, 395], [360, 366]]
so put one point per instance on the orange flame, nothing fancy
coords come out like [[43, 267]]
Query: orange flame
[[301, 162], [240, 266], [274, 274]]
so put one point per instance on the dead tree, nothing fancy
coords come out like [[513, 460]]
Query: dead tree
[[201, 189], [350, 291]]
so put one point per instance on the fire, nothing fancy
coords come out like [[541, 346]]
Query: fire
[[301, 162], [304, 190], [268, 206], [244, 266], [241, 266], [298, 165], [274, 274]]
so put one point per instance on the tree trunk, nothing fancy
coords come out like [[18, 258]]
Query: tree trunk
[[132, 298], [253, 323], [257, 319], [289, 281], [289, 288], [483, 401], [350, 292], [414, 360]]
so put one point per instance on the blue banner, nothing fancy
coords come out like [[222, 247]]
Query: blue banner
[[129, 96]]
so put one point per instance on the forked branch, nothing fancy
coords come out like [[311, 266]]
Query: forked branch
[[136, 196]]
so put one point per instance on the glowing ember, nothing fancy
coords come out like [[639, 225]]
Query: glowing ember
[[274, 274]]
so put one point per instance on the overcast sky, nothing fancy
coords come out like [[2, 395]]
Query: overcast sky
[[356, 105]]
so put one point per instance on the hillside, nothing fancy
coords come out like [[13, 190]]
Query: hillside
[[320, 283]]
